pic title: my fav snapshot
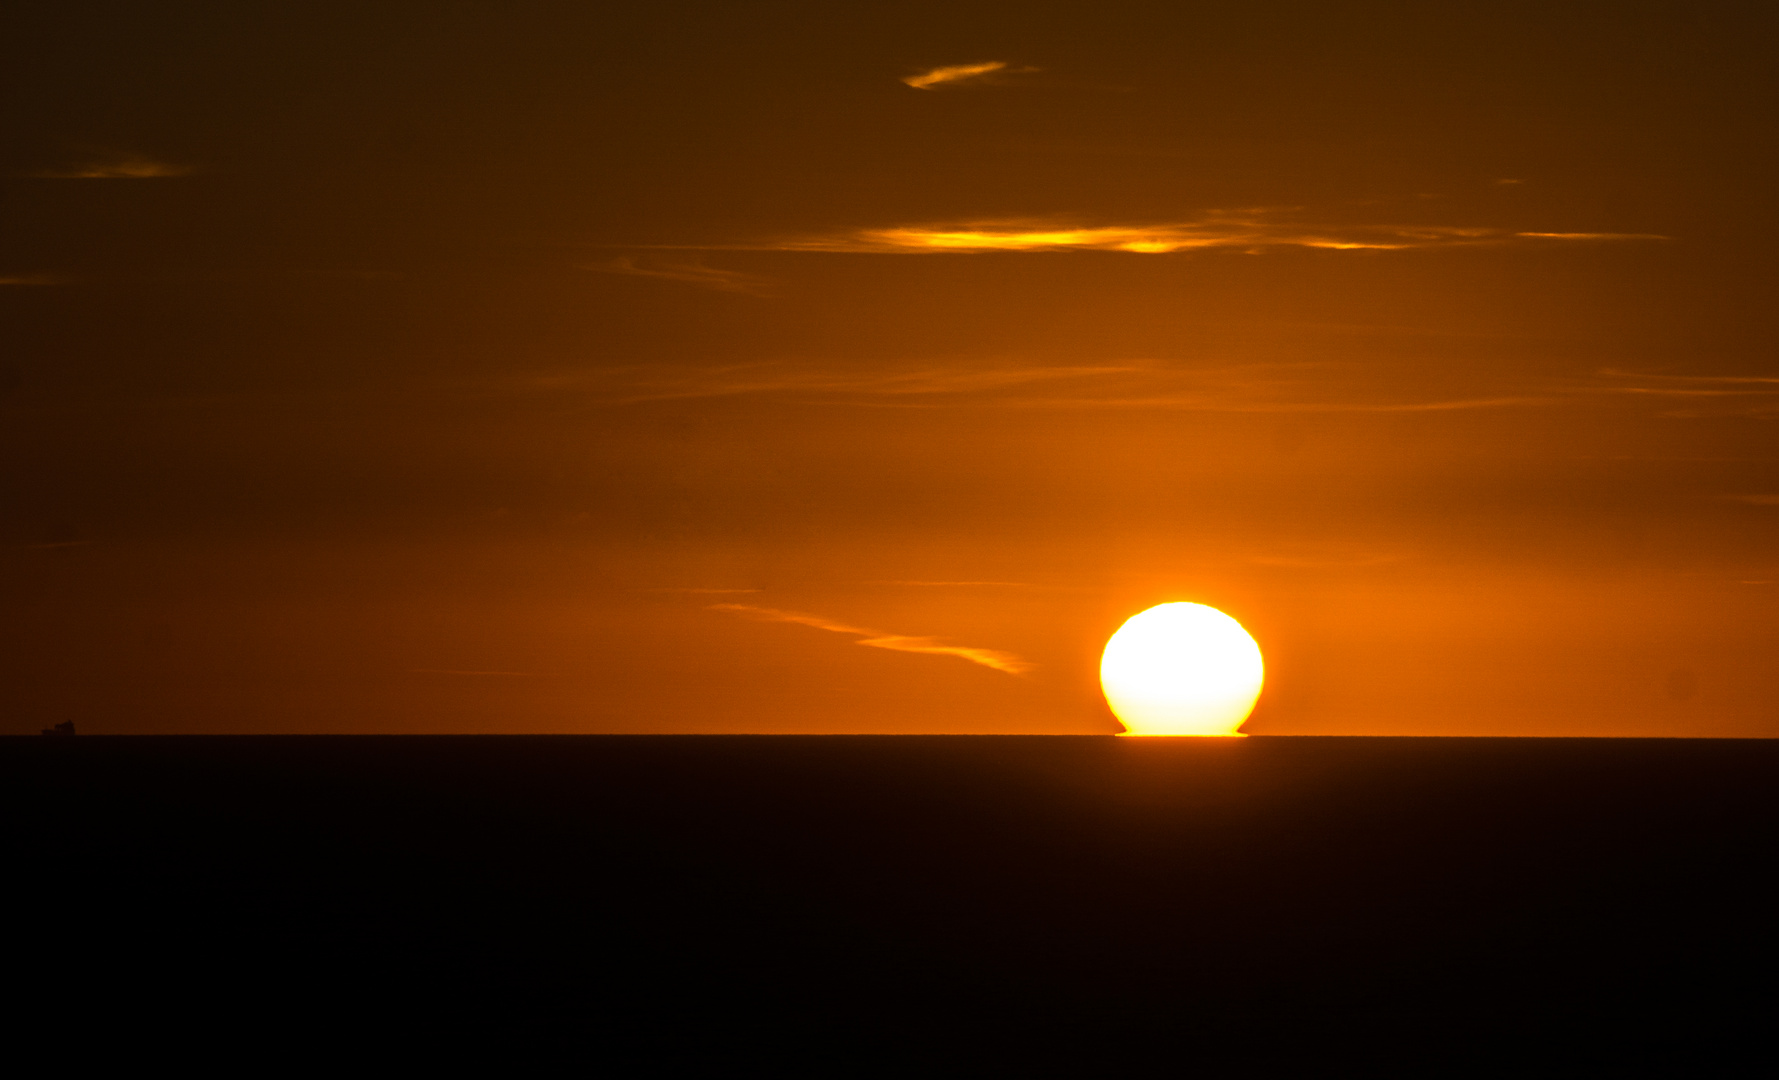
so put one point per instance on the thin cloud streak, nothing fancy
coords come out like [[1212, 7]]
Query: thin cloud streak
[[1265, 388], [1593, 236], [123, 167], [955, 73], [1714, 395], [1770, 380], [704, 277], [1685, 391], [30, 280], [958, 584], [1204, 404], [773, 380], [1250, 231], [990, 658]]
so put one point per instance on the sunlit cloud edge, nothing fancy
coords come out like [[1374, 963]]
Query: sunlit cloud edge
[[997, 659], [686, 273], [1250, 232], [953, 74], [1256, 388], [118, 167]]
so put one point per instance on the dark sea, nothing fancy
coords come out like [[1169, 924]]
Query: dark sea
[[900, 905]]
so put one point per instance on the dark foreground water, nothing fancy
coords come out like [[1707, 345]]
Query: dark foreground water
[[985, 905]]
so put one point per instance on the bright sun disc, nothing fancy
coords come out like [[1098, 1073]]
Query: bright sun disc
[[1182, 669]]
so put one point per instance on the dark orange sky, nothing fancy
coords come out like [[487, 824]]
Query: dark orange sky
[[476, 367]]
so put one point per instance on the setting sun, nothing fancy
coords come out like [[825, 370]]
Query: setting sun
[[1182, 669]]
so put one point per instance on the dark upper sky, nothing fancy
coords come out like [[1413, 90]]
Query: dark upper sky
[[597, 367]]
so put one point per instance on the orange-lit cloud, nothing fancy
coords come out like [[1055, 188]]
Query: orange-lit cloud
[[1201, 403], [958, 584], [1591, 236], [34, 279], [1736, 395], [636, 386], [877, 639], [1260, 388], [686, 274], [1249, 231], [1755, 500], [1698, 380], [120, 167], [955, 73]]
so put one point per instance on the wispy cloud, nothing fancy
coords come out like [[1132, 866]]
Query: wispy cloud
[[958, 584], [1754, 500], [1206, 403], [1257, 388], [686, 273], [34, 279], [877, 639], [958, 73], [118, 167], [1717, 395], [1591, 236], [463, 671], [1252, 231], [1695, 380], [635, 386]]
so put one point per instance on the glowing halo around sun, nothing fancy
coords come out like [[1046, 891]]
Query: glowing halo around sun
[[1182, 669]]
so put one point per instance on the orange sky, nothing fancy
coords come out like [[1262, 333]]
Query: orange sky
[[841, 368]]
